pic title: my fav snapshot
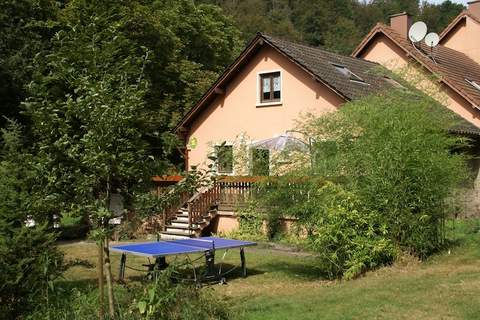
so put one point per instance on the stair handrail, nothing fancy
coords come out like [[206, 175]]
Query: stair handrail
[[169, 212], [201, 202]]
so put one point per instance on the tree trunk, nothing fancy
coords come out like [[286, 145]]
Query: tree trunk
[[100, 281], [108, 273]]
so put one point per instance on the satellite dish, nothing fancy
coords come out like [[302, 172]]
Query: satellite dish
[[417, 31], [432, 39]]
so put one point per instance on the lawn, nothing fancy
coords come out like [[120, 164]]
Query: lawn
[[285, 284]]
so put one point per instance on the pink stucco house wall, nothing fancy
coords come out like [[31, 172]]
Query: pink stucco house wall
[[311, 81]]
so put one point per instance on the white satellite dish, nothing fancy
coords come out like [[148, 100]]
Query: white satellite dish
[[432, 39], [417, 31]]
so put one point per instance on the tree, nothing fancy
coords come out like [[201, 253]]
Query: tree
[[28, 259], [25, 28], [84, 107], [438, 16]]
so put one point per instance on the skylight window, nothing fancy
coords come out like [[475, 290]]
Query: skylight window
[[347, 73], [473, 84]]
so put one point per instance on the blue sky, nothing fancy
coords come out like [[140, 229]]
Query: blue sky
[[464, 2]]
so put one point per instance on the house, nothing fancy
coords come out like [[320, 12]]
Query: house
[[262, 94], [463, 33], [450, 72]]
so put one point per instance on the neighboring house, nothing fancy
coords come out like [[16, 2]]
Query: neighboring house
[[450, 72], [447, 73], [259, 98], [463, 33]]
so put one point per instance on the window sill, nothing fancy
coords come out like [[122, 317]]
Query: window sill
[[269, 104]]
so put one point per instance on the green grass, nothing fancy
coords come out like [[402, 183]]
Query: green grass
[[288, 285]]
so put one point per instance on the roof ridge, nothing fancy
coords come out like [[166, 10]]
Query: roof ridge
[[315, 48]]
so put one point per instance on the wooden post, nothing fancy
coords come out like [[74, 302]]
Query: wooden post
[[108, 267], [100, 281], [189, 206]]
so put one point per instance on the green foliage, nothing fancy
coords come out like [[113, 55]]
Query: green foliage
[[251, 224], [162, 299], [395, 153], [25, 29], [337, 25], [71, 219], [347, 239], [156, 299], [28, 259]]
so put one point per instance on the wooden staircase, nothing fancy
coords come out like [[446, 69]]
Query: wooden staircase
[[193, 215]]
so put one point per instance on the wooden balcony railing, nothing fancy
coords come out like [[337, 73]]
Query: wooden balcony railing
[[236, 191]]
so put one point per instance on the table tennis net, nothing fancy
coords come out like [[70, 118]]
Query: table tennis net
[[198, 243]]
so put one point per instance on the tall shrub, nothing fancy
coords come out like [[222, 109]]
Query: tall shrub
[[395, 152], [347, 239], [28, 258]]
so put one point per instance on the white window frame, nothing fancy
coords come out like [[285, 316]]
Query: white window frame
[[259, 100]]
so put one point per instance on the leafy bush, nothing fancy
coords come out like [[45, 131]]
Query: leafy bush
[[71, 219], [163, 299], [347, 239], [395, 153], [157, 299], [251, 224]]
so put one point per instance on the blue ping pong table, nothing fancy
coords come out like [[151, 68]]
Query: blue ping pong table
[[204, 245]]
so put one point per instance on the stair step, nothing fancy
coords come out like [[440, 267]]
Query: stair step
[[177, 223], [183, 226], [181, 231]]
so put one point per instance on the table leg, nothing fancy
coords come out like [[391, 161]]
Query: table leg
[[244, 265], [123, 260], [209, 264]]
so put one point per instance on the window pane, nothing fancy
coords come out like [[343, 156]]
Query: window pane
[[276, 95], [276, 83], [260, 162], [266, 85], [224, 159]]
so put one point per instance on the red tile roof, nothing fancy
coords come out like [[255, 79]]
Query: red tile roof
[[451, 66]]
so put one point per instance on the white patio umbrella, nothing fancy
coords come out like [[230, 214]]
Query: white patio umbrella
[[283, 142]]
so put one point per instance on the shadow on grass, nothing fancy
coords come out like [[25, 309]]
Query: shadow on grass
[[302, 270], [227, 271]]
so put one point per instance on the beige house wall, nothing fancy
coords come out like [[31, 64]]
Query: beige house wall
[[237, 112], [465, 37], [388, 54]]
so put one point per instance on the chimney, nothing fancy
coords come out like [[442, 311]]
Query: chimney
[[401, 22], [474, 8]]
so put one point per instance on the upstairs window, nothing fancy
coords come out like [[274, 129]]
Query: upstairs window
[[270, 87], [473, 84], [224, 159], [347, 73]]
